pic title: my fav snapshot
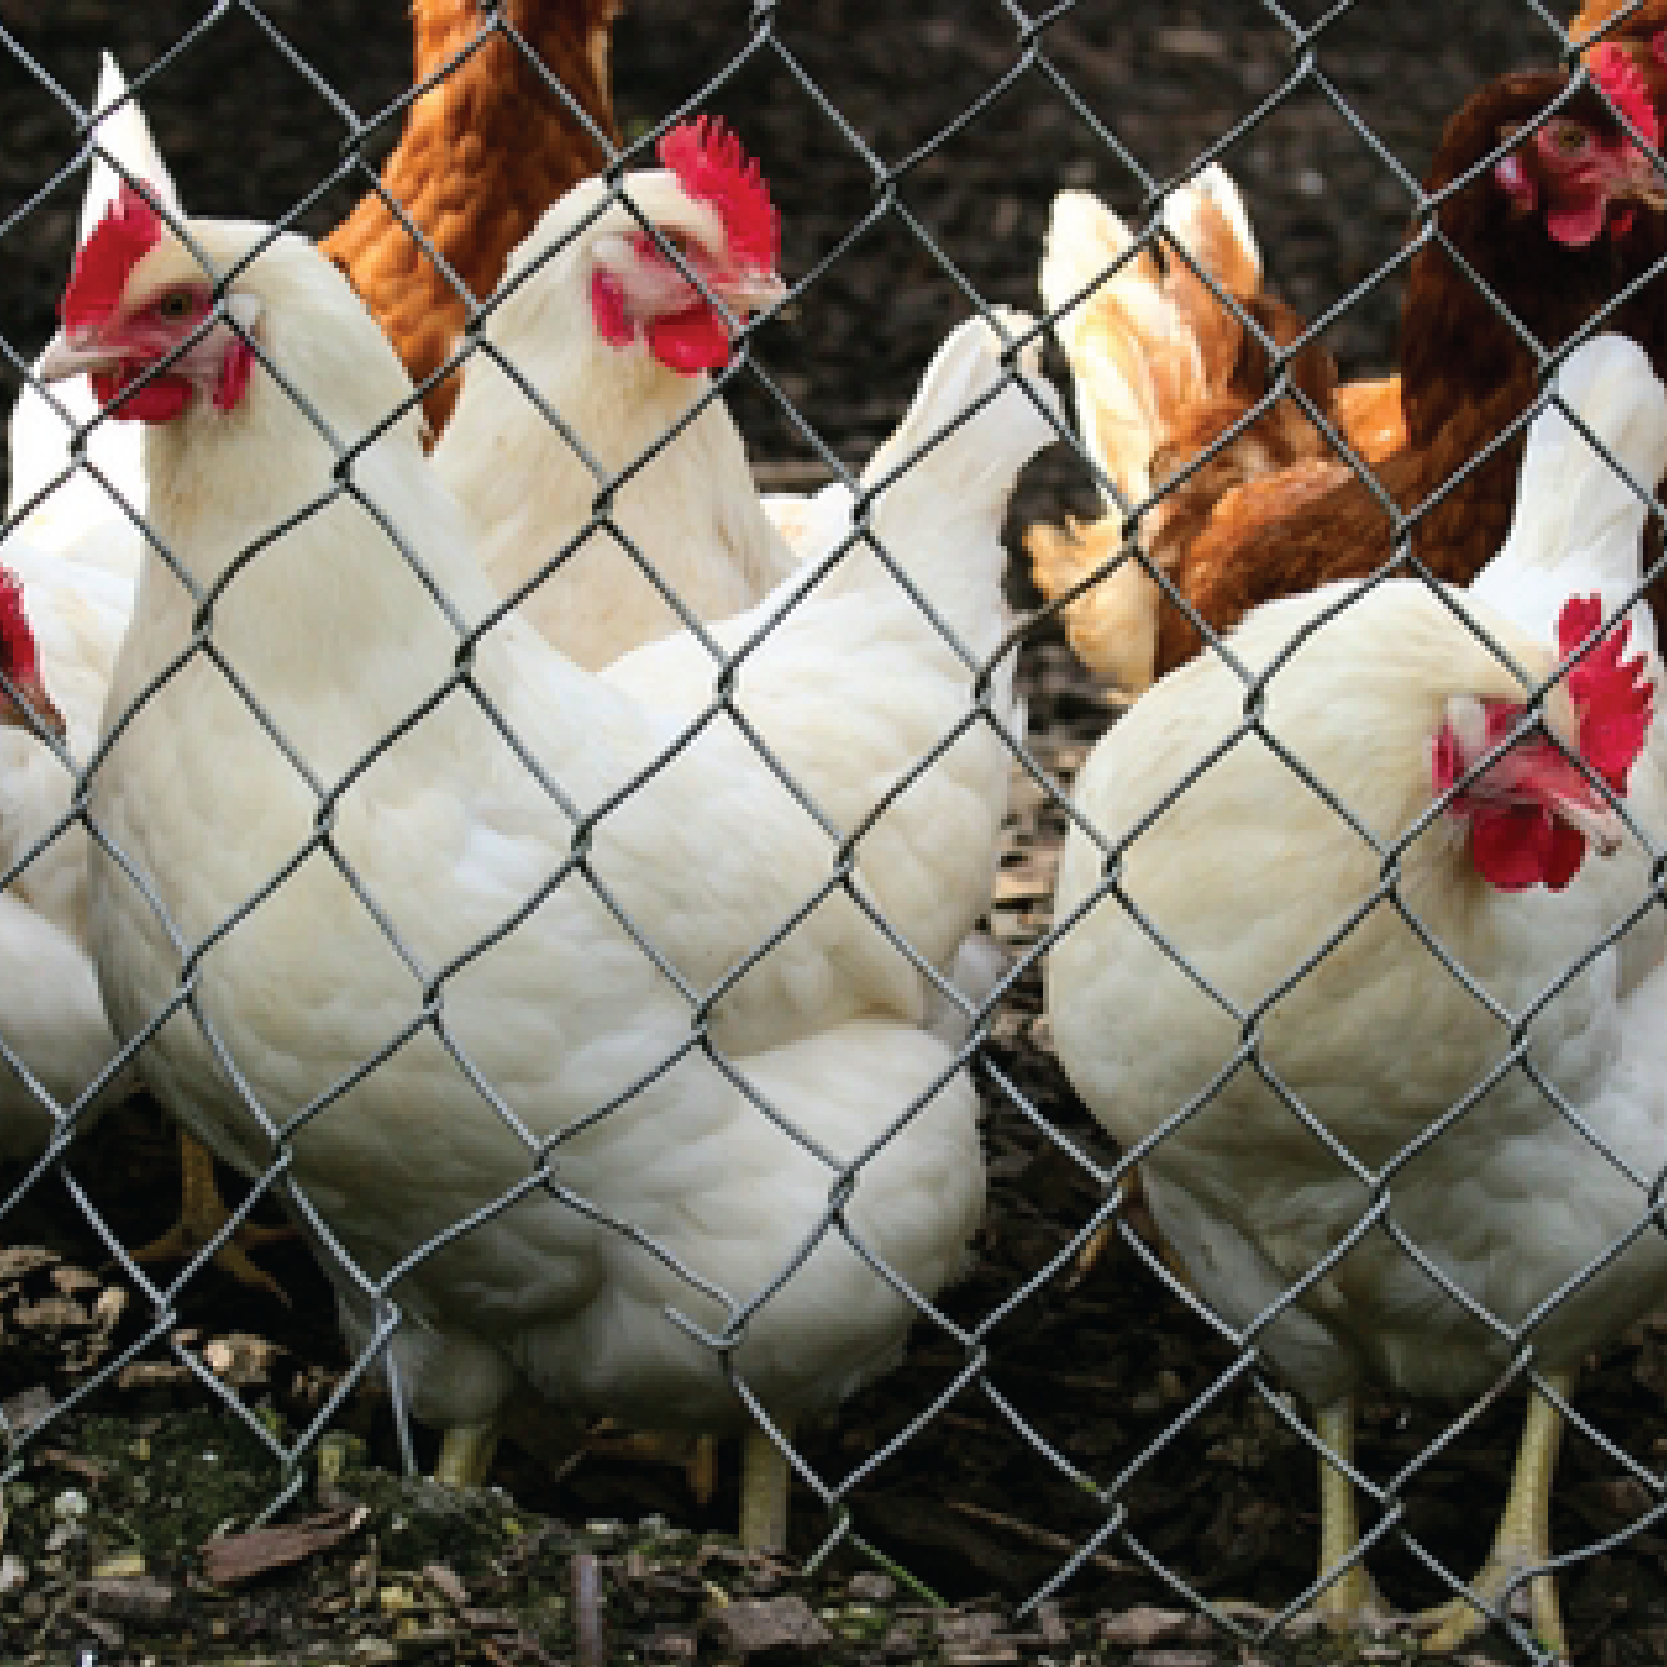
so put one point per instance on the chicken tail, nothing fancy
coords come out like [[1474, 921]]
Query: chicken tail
[[1141, 347], [1578, 525], [1207, 217], [38, 439], [124, 134], [943, 478], [1132, 353], [1112, 626]]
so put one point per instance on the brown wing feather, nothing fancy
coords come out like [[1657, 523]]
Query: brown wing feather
[[483, 154]]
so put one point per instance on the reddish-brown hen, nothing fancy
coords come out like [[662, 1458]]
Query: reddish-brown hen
[[1554, 248], [1163, 369], [484, 152]]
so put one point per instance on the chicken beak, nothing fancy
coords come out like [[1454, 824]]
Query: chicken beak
[[66, 357], [25, 704], [1597, 821], [1538, 773], [1645, 182], [750, 292]]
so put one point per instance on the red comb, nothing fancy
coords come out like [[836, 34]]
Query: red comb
[[1622, 80], [17, 640], [711, 166], [1612, 695], [127, 232]]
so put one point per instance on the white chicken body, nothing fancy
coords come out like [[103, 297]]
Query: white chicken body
[[77, 556], [452, 838], [1377, 1040], [690, 509]]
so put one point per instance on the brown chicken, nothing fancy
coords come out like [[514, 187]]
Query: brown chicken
[[1162, 370], [1555, 230], [484, 152]]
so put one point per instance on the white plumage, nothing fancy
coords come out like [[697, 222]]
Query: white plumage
[[555, 1006], [689, 507], [77, 555], [1249, 871]]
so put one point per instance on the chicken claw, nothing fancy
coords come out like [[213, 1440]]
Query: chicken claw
[[1522, 1541], [202, 1213]]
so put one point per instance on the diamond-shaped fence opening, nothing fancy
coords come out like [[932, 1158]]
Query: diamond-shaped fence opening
[[611, 1036]]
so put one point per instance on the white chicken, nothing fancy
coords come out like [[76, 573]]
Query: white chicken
[[595, 319], [77, 556], [421, 850], [612, 336], [1390, 701], [76, 547]]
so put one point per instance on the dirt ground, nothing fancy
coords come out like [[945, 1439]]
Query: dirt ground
[[1106, 1368]]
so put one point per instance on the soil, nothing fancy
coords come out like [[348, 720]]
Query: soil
[[1107, 1373]]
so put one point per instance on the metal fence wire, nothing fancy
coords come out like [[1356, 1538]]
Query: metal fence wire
[[1028, 61]]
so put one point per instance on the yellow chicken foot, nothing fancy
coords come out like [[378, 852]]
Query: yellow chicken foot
[[1522, 1540], [202, 1213], [1094, 1246], [766, 1477], [702, 1469], [1139, 1216], [1351, 1598], [466, 1452]]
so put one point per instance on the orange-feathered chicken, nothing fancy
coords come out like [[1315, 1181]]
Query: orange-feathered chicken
[[484, 152], [1162, 369], [1555, 227]]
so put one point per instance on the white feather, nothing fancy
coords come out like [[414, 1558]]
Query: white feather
[[686, 831]]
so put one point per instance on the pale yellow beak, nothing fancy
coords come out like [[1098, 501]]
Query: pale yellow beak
[[65, 358]]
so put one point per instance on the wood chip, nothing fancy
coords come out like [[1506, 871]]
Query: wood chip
[[108, 1633], [668, 1644], [131, 1597], [585, 1583], [241, 1359], [753, 1626], [70, 1280], [446, 1583], [89, 1470], [488, 1620], [152, 1374], [20, 1259], [973, 1641], [1144, 1625], [242, 1556], [1055, 1634], [27, 1408]]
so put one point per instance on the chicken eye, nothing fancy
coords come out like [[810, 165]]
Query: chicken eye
[[175, 304], [1570, 138]]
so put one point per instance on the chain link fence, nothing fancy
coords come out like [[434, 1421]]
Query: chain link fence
[[939, 217]]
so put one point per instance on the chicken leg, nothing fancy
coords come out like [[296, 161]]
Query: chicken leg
[[1351, 1598], [766, 1477], [466, 1453], [202, 1213], [1522, 1540]]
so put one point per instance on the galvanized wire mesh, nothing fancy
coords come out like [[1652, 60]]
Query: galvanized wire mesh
[[1024, 67]]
